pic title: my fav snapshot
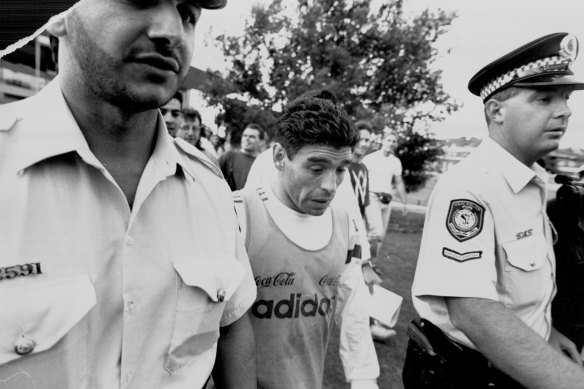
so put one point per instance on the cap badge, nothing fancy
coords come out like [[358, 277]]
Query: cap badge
[[569, 47]]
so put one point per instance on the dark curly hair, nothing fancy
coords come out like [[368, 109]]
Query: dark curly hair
[[314, 121]]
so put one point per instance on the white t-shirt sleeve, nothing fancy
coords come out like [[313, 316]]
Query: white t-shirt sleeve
[[345, 198], [356, 350], [262, 170], [398, 167]]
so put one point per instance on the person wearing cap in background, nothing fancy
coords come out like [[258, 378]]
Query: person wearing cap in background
[[122, 262], [484, 281]]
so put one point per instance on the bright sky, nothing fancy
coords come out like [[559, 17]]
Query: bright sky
[[482, 32]]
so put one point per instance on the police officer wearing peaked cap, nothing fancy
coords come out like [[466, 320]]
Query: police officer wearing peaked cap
[[484, 280], [131, 271]]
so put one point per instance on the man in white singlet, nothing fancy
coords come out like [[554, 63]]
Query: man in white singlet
[[304, 254]]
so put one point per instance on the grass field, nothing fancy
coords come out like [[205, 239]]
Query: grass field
[[397, 261]]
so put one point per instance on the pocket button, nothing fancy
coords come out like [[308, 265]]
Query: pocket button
[[24, 345], [221, 295]]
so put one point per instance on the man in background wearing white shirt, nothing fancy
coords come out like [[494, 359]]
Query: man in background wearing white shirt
[[385, 174]]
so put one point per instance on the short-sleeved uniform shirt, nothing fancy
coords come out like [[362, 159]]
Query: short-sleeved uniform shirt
[[98, 295], [487, 235]]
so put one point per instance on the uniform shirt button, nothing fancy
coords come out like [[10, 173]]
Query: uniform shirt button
[[221, 295], [24, 345], [130, 241], [131, 307], [128, 376]]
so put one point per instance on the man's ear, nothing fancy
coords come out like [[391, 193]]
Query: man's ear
[[495, 110], [280, 156], [58, 27]]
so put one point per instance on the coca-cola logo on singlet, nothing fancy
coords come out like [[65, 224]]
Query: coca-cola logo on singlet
[[280, 279]]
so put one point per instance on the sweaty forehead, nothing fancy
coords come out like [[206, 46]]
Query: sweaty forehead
[[321, 153]]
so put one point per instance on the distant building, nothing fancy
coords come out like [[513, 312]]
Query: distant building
[[26, 71], [568, 162], [455, 150]]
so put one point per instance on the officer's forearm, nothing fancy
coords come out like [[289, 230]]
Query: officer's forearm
[[235, 366], [512, 346]]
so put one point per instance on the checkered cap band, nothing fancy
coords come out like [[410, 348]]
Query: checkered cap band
[[540, 66]]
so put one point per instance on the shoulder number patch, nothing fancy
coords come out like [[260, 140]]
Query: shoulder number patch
[[465, 219]]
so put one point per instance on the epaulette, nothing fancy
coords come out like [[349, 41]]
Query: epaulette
[[197, 155], [8, 120]]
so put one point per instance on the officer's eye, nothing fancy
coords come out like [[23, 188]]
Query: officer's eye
[[187, 13]]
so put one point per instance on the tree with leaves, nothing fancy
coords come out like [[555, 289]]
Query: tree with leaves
[[376, 61]]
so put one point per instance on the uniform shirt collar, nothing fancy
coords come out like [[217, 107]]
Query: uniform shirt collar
[[51, 130], [169, 152], [516, 173]]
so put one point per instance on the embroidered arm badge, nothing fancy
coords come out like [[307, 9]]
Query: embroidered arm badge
[[465, 219], [461, 257]]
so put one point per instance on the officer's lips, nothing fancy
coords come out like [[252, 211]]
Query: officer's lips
[[557, 131], [158, 61]]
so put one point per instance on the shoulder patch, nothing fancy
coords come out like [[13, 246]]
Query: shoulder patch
[[461, 257], [465, 219]]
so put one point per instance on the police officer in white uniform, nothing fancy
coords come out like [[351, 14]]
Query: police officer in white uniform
[[484, 282], [121, 261]]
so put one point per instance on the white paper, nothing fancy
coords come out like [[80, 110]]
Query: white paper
[[384, 305]]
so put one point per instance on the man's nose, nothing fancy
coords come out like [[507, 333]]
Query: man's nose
[[564, 109], [167, 116], [166, 25], [330, 182]]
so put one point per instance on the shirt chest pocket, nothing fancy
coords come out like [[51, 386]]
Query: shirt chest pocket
[[42, 332], [528, 269], [204, 286]]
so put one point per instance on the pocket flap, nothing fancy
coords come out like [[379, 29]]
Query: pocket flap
[[528, 253], [219, 278], [43, 313]]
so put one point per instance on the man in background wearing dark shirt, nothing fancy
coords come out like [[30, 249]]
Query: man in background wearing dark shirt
[[235, 164]]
